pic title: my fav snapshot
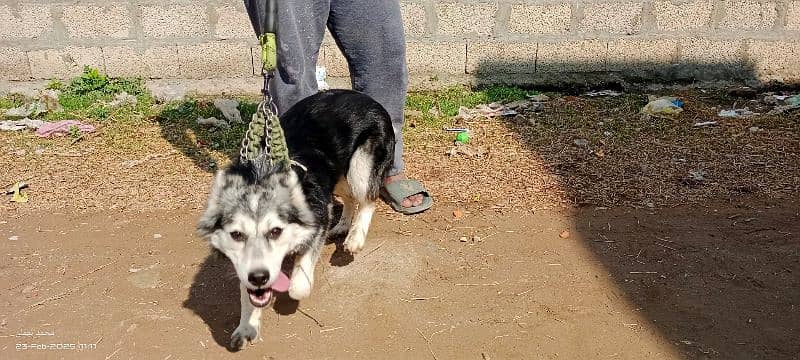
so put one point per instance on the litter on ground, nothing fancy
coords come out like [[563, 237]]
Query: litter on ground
[[33, 109], [229, 109], [213, 122], [736, 113], [666, 105], [62, 127], [16, 125], [596, 93], [122, 99]]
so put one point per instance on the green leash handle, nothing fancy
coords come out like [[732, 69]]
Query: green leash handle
[[269, 52], [265, 135]]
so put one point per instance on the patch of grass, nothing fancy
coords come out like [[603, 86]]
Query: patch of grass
[[90, 80], [98, 112], [85, 95], [11, 101], [420, 101], [54, 85], [437, 106], [74, 132], [180, 118], [75, 102], [247, 109], [505, 94], [179, 112], [452, 99]]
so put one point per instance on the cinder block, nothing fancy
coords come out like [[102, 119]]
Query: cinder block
[[414, 19], [775, 60], [539, 19], [705, 51], [435, 58], [92, 22], [470, 19], [328, 38], [749, 15], [25, 21], [333, 60], [636, 56], [215, 59], [233, 23], [572, 56], [152, 63], [612, 17], [711, 60], [14, 64], [182, 21], [255, 59], [793, 16], [421, 58], [682, 16], [643, 59], [501, 58], [64, 62]]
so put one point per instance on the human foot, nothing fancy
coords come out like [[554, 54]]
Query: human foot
[[410, 201], [405, 195]]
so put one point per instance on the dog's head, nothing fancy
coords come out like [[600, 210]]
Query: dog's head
[[257, 215]]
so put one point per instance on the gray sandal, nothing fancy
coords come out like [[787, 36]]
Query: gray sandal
[[394, 193]]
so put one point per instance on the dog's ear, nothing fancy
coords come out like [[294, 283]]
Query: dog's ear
[[212, 217]]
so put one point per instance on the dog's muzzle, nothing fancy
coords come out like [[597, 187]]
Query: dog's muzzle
[[262, 296]]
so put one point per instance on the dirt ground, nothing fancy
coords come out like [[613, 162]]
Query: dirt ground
[[572, 260], [718, 281]]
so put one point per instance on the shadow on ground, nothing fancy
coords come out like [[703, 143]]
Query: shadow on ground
[[214, 297], [178, 122], [717, 276], [214, 293], [719, 280]]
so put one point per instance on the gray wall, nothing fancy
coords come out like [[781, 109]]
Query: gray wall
[[525, 42]]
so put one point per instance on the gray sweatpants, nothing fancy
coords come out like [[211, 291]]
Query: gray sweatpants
[[370, 35]]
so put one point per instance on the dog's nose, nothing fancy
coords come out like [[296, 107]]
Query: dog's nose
[[259, 277]]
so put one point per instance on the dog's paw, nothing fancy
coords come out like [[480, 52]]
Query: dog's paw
[[300, 288], [354, 244], [244, 333]]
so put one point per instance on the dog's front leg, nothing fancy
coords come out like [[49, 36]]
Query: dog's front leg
[[303, 272], [249, 322]]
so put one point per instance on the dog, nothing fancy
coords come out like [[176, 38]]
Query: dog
[[341, 144]]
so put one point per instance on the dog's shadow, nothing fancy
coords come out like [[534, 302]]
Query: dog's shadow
[[214, 297], [214, 293], [340, 256]]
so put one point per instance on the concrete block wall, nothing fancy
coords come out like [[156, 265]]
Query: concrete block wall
[[528, 42]]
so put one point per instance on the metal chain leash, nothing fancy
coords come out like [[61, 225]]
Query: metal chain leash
[[257, 131], [264, 135]]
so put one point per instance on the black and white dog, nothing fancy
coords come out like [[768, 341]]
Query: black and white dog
[[259, 214]]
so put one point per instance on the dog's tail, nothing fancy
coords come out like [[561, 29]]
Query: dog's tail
[[380, 143]]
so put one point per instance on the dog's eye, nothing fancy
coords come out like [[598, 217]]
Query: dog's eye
[[275, 233], [237, 236]]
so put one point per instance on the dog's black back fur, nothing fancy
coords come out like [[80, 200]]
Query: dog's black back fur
[[322, 132]]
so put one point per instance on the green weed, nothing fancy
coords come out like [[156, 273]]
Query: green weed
[[74, 132], [11, 101]]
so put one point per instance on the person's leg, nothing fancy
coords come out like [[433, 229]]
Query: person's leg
[[301, 27], [370, 35]]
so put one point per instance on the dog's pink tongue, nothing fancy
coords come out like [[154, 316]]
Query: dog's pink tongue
[[281, 284]]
